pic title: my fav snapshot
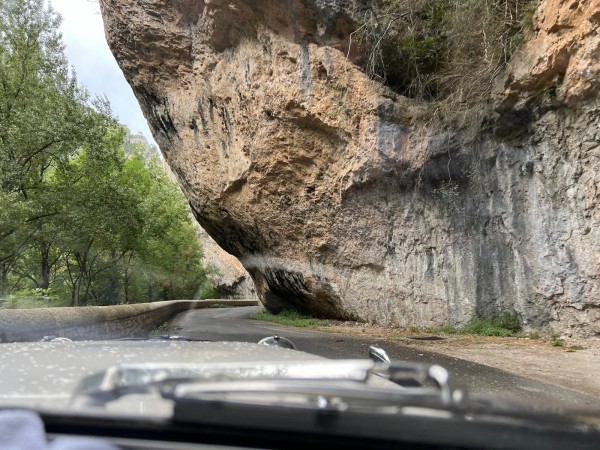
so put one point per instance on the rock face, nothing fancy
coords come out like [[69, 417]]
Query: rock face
[[232, 280], [317, 179]]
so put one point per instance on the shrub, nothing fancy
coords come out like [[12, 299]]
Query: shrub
[[288, 317], [533, 335], [556, 341], [447, 50], [507, 324]]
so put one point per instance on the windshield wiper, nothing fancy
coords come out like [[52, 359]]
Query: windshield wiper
[[304, 391], [329, 382], [163, 337]]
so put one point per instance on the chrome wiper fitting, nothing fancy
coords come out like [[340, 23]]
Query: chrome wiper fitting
[[415, 375], [327, 382]]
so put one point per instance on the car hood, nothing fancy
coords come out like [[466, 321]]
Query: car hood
[[45, 374]]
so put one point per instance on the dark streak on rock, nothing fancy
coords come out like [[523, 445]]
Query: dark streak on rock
[[195, 128], [211, 107], [247, 74], [306, 75], [202, 116], [231, 237], [224, 149], [283, 281], [157, 111], [227, 123]]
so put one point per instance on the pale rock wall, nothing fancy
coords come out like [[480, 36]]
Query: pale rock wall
[[231, 280], [316, 178]]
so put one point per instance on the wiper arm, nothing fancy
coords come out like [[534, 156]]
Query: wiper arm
[[324, 395], [355, 380]]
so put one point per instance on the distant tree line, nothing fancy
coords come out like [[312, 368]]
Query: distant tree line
[[80, 223]]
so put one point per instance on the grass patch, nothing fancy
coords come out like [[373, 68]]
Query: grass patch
[[449, 329], [505, 325], [556, 341], [293, 318]]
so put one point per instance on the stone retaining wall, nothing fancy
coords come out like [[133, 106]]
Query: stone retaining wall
[[97, 322]]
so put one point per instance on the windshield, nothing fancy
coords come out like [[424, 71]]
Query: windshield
[[179, 180]]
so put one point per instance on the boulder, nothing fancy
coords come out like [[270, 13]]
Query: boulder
[[337, 201]]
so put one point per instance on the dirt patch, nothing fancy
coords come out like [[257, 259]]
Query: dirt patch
[[574, 365]]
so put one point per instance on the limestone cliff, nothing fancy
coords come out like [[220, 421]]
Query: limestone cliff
[[337, 202], [231, 279]]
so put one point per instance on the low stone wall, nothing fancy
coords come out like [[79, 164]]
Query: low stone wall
[[97, 322]]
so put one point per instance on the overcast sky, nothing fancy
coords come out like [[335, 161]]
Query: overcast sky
[[88, 52]]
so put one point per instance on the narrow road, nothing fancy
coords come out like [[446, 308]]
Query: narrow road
[[235, 324]]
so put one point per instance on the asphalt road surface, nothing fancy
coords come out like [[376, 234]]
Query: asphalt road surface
[[235, 324]]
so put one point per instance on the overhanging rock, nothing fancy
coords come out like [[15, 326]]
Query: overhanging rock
[[318, 179]]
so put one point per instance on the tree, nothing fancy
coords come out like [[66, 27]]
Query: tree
[[93, 211], [80, 223], [45, 118], [168, 243]]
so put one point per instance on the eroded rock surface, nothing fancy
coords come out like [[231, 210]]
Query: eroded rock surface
[[231, 280], [317, 179]]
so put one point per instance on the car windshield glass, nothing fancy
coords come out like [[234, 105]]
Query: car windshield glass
[[362, 207]]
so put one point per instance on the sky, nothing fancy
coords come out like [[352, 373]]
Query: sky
[[96, 68]]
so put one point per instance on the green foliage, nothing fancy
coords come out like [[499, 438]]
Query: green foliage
[[33, 298], [292, 318], [44, 118], [163, 328], [556, 341], [533, 335], [80, 223], [574, 348], [527, 16], [449, 329], [507, 324], [442, 49], [206, 289], [504, 325]]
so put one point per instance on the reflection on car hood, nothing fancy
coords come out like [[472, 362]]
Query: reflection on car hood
[[45, 374]]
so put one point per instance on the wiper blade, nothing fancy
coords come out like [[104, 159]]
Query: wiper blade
[[323, 395], [351, 379], [323, 384], [163, 337]]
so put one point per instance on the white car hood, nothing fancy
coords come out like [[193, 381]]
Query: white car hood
[[45, 374]]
